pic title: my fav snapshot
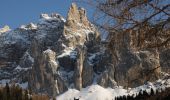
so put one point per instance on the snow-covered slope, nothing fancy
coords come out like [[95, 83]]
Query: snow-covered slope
[[96, 92]]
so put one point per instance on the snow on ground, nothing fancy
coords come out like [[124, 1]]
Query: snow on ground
[[93, 92], [96, 92]]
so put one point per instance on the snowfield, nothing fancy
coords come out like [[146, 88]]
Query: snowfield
[[96, 92], [93, 92]]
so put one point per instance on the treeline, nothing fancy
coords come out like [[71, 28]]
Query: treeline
[[143, 95], [15, 92]]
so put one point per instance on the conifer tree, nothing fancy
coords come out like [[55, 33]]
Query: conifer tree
[[139, 97], [26, 95], [54, 98], [152, 92], [18, 93], [7, 92], [115, 98], [145, 93], [129, 97], [1, 95]]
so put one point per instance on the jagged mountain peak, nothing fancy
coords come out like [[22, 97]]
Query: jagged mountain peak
[[45, 22], [67, 42], [76, 15]]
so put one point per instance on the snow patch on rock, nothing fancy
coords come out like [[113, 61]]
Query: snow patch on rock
[[68, 52]]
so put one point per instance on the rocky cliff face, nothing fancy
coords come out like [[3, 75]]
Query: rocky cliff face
[[133, 66], [56, 54], [47, 80]]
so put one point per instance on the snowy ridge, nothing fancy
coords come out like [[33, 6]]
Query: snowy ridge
[[12, 37], [96, 92], [30, 26], [4, 29], [53, 16]]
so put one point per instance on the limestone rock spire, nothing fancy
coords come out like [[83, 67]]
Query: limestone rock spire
[[76, 15]]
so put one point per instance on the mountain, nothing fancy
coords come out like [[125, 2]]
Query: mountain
[[57, 54]]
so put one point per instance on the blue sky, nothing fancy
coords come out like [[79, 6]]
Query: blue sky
[[18, 12]]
